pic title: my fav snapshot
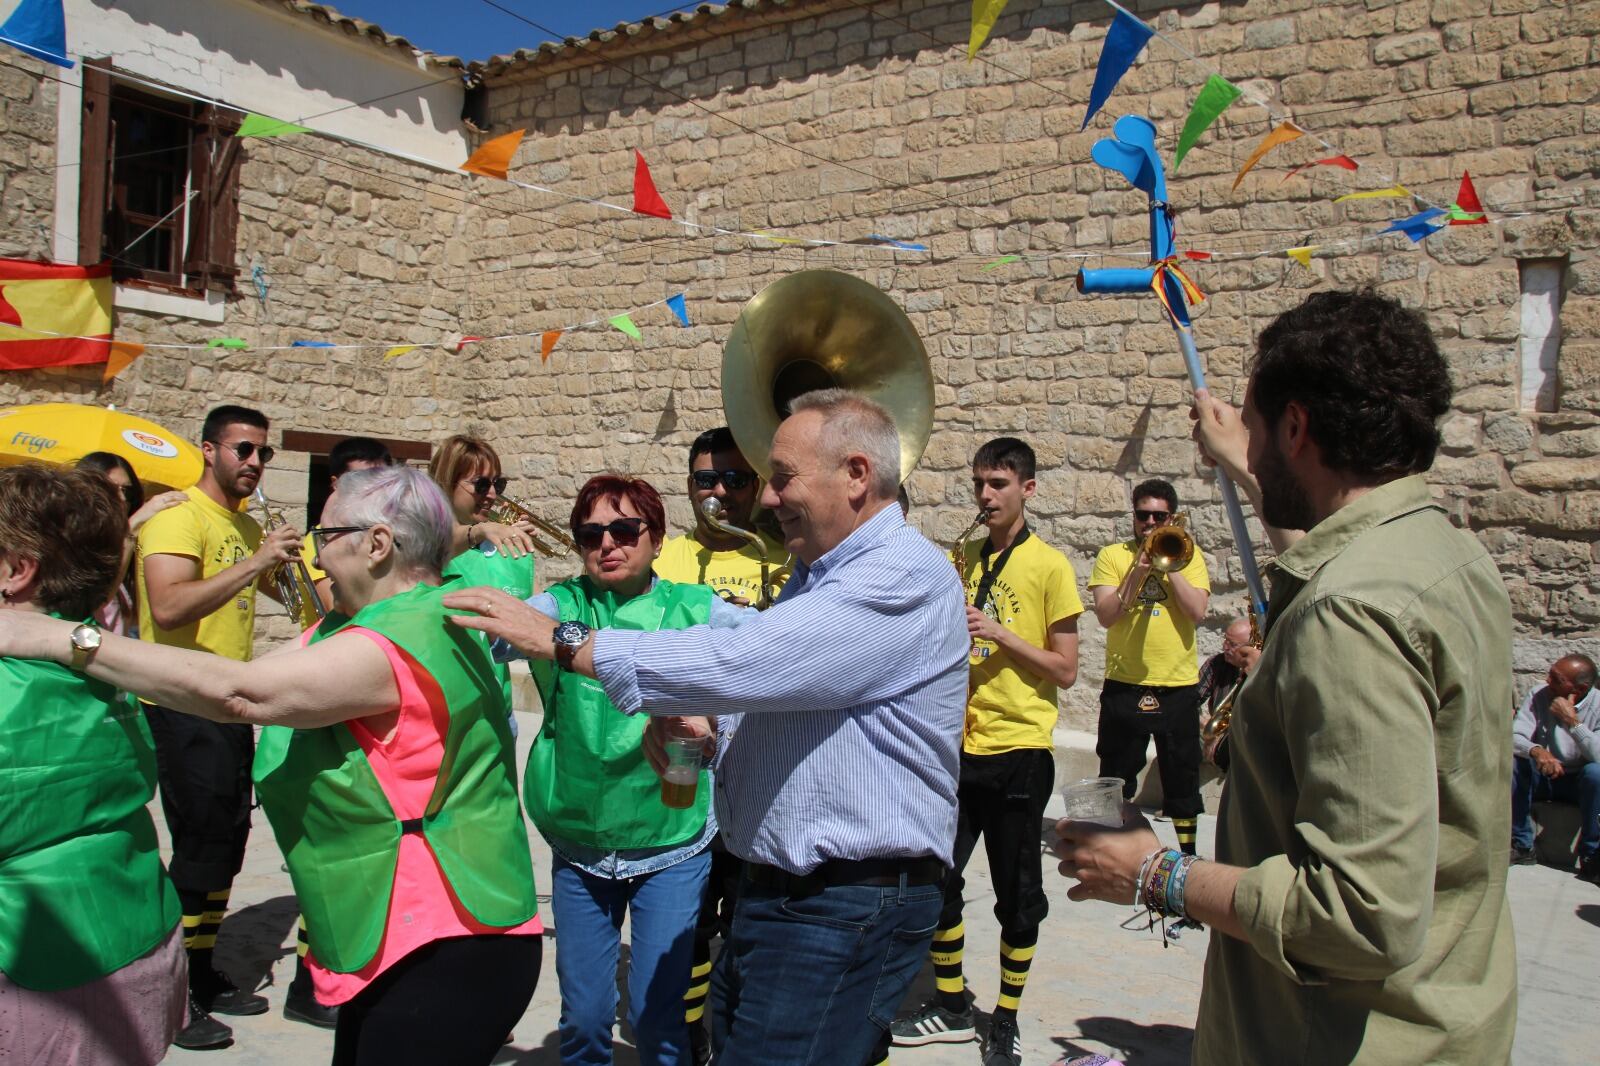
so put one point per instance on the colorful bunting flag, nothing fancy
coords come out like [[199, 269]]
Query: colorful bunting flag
[[1303, 255], [679, 308], [459, 344], [775, 239], [260, 126], [236, 344], [1419, 225], [646, 201], [547, 344], [493, 157], [313, 344], [1468, 209], [1286, 132], [984, 15], [625, 324], [1213, 100], [1124, 41], [1202, 256], [1375, 194], [1332, 161], [38, 28], [1002, 261], [58, 314], [121, 356], [878, 238], [398, 350]]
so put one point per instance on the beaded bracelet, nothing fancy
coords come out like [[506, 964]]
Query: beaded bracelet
[[1163, 882]]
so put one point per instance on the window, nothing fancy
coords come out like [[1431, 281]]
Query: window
[[1542, 283], [159, 192], [317, 445]]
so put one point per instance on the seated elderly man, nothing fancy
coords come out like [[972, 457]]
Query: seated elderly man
[[1556, 739]]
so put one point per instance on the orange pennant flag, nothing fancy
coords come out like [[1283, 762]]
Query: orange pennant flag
[[121, 356], [493, 158], [547, 344], [1285, 133], [1302, 255]]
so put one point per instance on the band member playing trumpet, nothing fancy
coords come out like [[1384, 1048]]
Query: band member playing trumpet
[[1152, 670]]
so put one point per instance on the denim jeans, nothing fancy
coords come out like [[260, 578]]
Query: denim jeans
[[817, 979], [1580, 786], [662, 908]]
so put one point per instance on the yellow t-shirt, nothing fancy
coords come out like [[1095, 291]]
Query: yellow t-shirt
[[735, 573], [1153, 644], [216, 538], [1009, 706]]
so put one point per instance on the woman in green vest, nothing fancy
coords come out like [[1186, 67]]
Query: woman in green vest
[[385, 767], [616, 848], [92, 968]]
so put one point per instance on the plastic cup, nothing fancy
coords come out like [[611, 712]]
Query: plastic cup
[[681, 778], [1094, 799]]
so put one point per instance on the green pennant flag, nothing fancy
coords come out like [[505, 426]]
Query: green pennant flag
[[1213, 100], [261, 126], [234, 343], [1002, 261], [625, 324]]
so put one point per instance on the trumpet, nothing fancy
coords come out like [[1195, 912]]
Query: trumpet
[[1221, 719], [711, 512], [292, 581], [958, 553], [1170, 547], [509, 512]]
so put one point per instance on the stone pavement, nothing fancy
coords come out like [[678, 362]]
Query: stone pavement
[[1099, 981]]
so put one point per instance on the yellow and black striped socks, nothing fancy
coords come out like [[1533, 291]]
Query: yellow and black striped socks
[[202, 918], [946, 956], [1185, 828], [1015, 959], [694, 1000]]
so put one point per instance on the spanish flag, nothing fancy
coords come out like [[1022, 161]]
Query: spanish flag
[[53, 314]]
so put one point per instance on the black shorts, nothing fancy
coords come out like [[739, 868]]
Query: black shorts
[[204, 772], [1001, 798], [1125, 729]]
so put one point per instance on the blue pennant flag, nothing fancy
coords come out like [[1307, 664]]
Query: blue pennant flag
[[312, 344], [679, 308], [878, 238], [1124, 41], [1419, 226], [38, 28]]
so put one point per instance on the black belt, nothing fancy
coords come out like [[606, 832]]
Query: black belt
[[881, 873]]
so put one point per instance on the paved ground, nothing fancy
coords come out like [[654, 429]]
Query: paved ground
[[1098, 983]]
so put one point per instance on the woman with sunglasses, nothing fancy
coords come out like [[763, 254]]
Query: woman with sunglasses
[[120, 614], [616, 848], [385, 768]]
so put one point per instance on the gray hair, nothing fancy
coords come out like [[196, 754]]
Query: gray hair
[[856, 424], [408, 502]]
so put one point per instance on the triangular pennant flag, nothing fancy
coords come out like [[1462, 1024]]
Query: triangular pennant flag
[[1124, 41], [547, 344], [1002, 261], [1419, 225], [679, 308], [878, 238], [313, 344], [1375, 194], [1217, 93], [493, 157], [984, 14], [398, 350], [38, 28], [234, 343], [646, 201], [1303, 255], [261, 126], [1332, 161], [1468, 209], [121, 356], [460, 343], [625, 324], [1286, 132], [775, 239], [1202, 256]]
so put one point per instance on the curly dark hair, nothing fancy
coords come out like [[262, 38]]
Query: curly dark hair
[[72, 523], [1368, 373]]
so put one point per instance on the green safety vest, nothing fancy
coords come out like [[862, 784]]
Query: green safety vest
[[500, 571], [82, 889], [587, 780], [334, 823]]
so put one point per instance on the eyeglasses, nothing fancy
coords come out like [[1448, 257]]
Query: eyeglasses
[[732, 480], [1152, 516], [625, 533], [244, 449], [321, 535], [482, 485]]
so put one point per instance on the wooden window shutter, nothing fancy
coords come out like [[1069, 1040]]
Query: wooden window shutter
[[94, 161], [214, 211]]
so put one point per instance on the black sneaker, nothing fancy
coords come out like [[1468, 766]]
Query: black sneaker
[[305, 1008], [699, 1044], [1523, 856], [1589, 869], [933, 1025], [221, 996], [1003, 1045], [202, 1032]]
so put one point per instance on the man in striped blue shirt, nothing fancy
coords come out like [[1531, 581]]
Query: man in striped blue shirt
[[839, 713]]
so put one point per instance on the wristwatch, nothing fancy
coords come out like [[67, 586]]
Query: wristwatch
[[569, 637], [85, 642]]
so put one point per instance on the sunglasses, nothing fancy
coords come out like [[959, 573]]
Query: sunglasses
[[246, 448], [732, 480], [482, 485], [1152, 516], [625, 533], [322, 535]]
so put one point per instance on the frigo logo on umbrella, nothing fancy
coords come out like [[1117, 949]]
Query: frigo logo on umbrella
[[34, 444], [149, 443]]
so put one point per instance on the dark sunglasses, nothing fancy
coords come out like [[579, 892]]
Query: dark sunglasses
[[481, 485], [625, 533], [246, 448], [1152, 516], [321, 535], [732, 480]]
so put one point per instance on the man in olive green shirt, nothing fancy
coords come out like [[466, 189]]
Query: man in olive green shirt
[[1358, 901]]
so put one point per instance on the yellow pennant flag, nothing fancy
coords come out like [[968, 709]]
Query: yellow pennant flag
[[1375, 194], [1303, 255], [984, 14], [493, 158], [775, 239], [1285, 133], [398, 350]]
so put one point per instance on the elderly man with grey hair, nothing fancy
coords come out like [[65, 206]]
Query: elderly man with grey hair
[[1555, 741], [838, 716]]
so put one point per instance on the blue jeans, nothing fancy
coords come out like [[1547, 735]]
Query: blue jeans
[[817, 979], [1580, 786], [662, 908]]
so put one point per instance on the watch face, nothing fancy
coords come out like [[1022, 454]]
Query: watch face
[[86, 638], [571, 634]]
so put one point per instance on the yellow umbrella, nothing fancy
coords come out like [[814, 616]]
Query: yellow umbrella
[[63, 433]]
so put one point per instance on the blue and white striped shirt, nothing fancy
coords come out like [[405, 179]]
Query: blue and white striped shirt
[[851, 692]]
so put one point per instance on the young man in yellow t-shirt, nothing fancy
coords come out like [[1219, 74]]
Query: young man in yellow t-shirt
[[200, 564], [1022, 612], [1152, 671]]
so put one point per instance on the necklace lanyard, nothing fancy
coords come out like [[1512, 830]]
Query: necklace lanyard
[[989, 574]]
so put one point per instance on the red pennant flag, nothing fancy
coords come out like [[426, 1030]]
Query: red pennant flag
[[547, 344], [1197, 255], [1332, 161], [646, 201], [121, 356], [1468, 209]]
